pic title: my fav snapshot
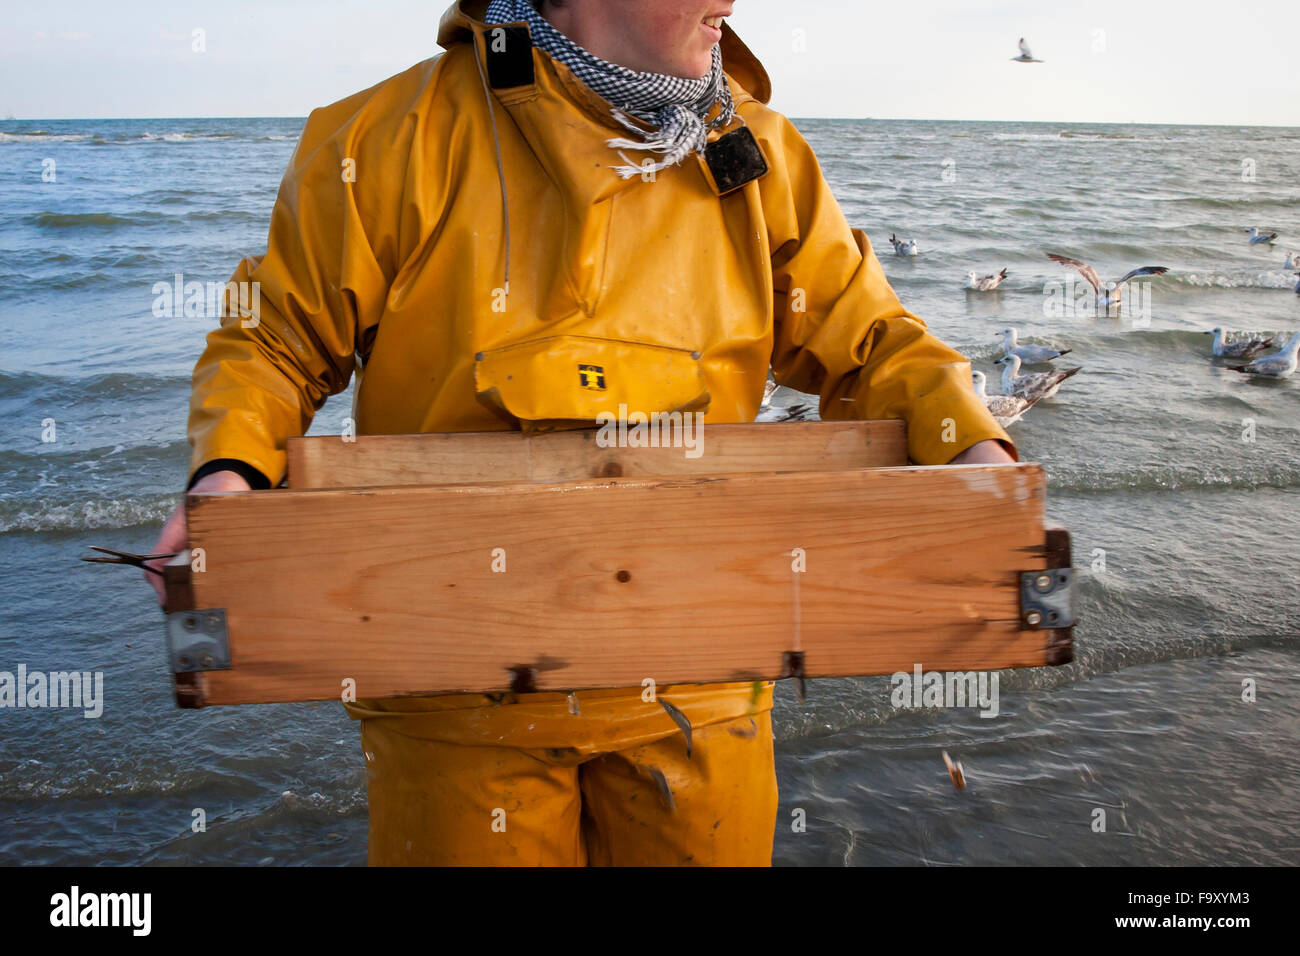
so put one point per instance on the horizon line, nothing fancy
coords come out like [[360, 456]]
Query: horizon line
[[877, 119]]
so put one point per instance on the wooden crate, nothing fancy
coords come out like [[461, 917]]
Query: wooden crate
[[389, 460], [484, 563]]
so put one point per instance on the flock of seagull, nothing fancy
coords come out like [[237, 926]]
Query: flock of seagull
[[1021, 392]]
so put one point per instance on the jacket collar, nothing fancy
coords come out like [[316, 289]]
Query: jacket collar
[[464, 19]]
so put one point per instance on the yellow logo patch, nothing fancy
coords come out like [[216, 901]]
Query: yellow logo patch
[[591, 376]]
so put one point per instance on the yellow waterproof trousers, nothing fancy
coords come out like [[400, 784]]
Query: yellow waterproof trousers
[[523, 781]]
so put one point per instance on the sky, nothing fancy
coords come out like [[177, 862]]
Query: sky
[[1144, 61]]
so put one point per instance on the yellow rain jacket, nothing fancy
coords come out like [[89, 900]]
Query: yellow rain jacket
[[388, 251]]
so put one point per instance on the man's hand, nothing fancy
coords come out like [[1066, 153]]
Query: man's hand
[[988, 452], [174, 537]]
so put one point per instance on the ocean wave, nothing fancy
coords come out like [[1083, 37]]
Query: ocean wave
[[35, 259], [101, 386], [188, 137], [1212, 202], [118, 778], [1238, 280], [836, 704], [1068, 134], [1245, 476], [144, 217], [169, 197], [34, 779], [109, 138], [225, 215], [79, 280], [1146, 340], [90, 220], [46, 515], [40, 136], [1071, 136], [125, 260], [1025, 137]]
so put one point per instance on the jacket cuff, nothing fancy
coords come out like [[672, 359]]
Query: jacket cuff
[[1007, 445], [256, 480], [946, 423]]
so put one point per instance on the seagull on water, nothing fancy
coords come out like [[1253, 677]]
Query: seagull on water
[[1025, 55], [1029, 354], [985, 283], [1036, 386], [1257, 237], [1111, 294], [902, 248], [1006, 409], [1278, 365], [1243, 348], [767, 412]]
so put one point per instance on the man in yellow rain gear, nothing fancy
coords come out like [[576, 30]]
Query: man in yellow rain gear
[[592, 184]]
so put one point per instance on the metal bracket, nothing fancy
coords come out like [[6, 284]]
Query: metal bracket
[[1047, 599], [198, 641]]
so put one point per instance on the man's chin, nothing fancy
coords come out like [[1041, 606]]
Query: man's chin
[[695, 69]]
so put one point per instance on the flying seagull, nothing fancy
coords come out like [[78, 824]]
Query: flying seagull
[[1278, 365], [1111, 294], [986, 283], [1029, 354], [902, 248], [1257, 237], [1243, 348], [1035, 386], [1006, 409], [1025, 55]]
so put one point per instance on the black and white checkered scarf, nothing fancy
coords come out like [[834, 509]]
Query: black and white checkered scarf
[[678, 108]]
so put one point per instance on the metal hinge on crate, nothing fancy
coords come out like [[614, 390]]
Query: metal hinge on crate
[[1047, 598], [198, 641]]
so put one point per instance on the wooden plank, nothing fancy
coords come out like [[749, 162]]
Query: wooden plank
[[505, 456], [607, 582]]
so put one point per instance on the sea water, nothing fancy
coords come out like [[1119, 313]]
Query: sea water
[[1179, 479]]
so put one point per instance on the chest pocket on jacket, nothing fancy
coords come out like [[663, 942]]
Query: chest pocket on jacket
[[565, 381]]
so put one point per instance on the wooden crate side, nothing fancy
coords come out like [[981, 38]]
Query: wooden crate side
[[389, 460], [608, 582]]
